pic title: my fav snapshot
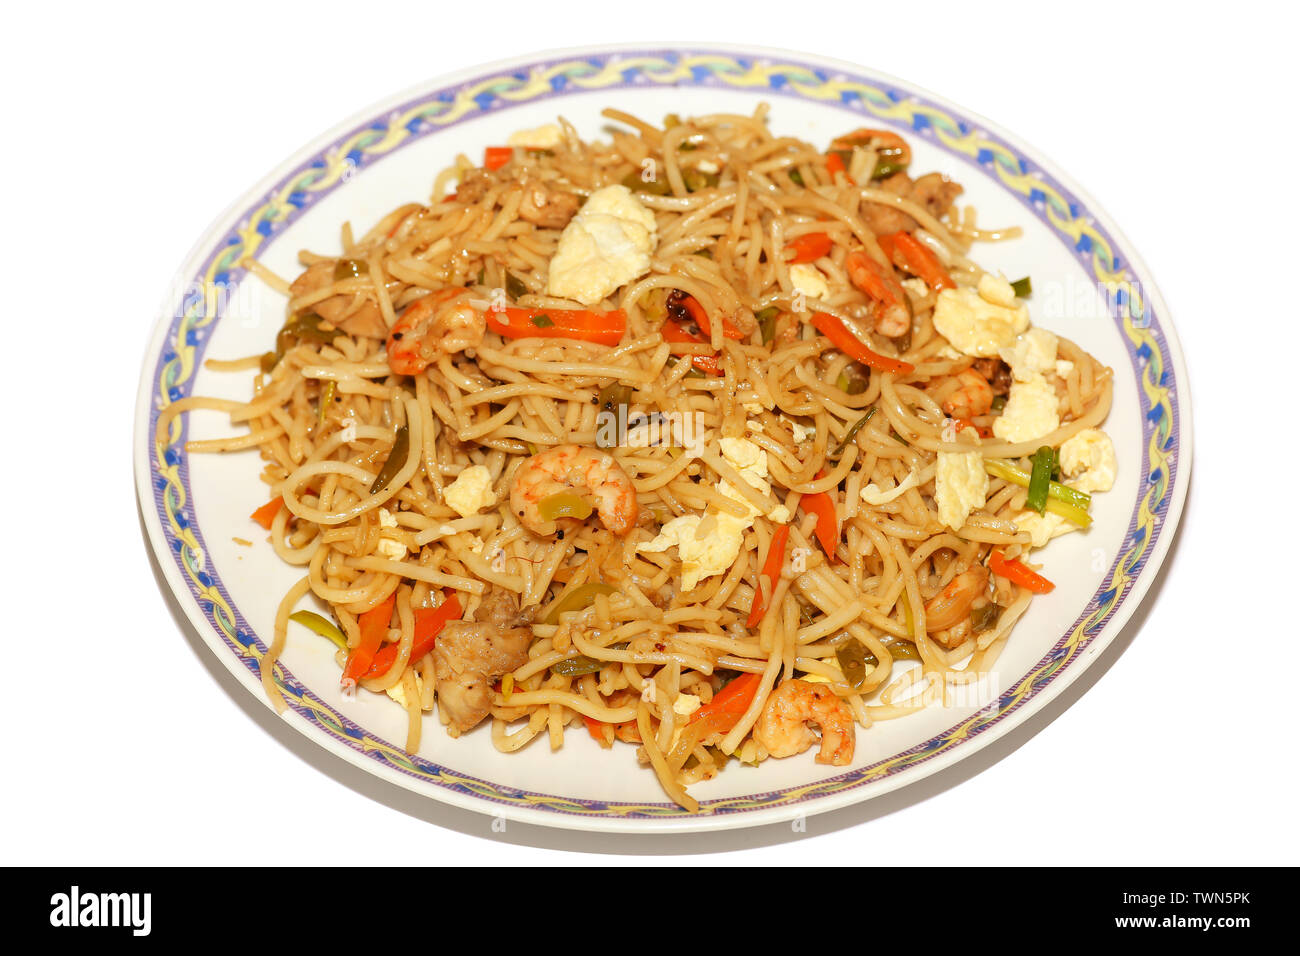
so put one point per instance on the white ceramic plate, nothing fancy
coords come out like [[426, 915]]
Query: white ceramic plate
[[195, 506]]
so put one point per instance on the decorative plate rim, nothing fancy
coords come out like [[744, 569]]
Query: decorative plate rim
[[162, 474]]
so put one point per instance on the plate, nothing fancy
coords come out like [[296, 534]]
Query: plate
[[1089, 285]]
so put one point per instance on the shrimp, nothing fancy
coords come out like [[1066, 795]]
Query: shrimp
[[440, 323], [352, 313], [572, 468], [973, 397], [783, 728], [891, 311], [953, 604]]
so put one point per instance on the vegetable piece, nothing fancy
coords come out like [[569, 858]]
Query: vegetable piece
[[655, 187], [1017, 573], [697, 179], [771, 571], [767, 323], [985, 618], [327, 397], [796, 177], [835, 163], [852, 655], [580, 597], [905, 250], [852, 346], [350, 269], [903, 651], [674, 331], [729, 704], [266, 514], [319, 625], [564, 505], [1023, 288], [1070, 503], [700, 317], [892, 151], [827, 531], [852, 433], [396, 459], [807, 248], [515, 287], [494, 157], [429, 622], [602, 328], [576, 666], [373, 625], [613, 395], [1040, 479]]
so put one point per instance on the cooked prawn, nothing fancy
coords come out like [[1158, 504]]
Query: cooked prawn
[[440, 323], [953, 604], [890, 310], [572, 468], [974, 396], [783, 729]]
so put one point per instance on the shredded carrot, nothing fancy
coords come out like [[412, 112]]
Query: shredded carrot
[[808, 247], [905, 250], [854, 347], [602, 328], [771, 571], [494, 157], [729, 704], [266, 514], [373, 625], [1017, 573]]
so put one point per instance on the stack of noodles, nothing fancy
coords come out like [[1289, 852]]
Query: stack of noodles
[[805, 517]]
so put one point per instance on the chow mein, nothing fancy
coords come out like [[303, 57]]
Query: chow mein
[[696, 439]]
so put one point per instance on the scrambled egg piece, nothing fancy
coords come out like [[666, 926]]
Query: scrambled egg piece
[[809, 280], [394, 550], [607, 244], [709, 544], [1043, 528], [398, 694], [1030, 412], [980, 321], [960, 486], [1088, 460], [1032, 353], [471, 491], [686, 704], [543, 137]]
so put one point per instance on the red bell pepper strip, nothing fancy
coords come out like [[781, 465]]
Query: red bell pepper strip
[[602, 328], [494, 157], [828, 526], [729, 704], [852, 346], [908, 252], [808, 247], [429, 622], [1017, 573], [373, 624], [266, 514], [771, 571]]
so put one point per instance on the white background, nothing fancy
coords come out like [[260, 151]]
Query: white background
[[128, 129]]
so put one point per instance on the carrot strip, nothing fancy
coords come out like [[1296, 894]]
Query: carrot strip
[[373, 624], [702, 320], [808, 247], [828, 528], [266, 514], [602, 328], [494, 157], [771, 571], [429, 622], [852, 346], [835, 164], [729, 704], [1017, 573], [673, 331]]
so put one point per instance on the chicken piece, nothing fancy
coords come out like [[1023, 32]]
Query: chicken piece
[[934, 191], [353, 314], [546, 206], [470, 656]]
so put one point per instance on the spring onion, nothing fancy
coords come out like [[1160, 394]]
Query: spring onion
[[985, 618], [1023, 288], [767, 323], [1040, 479], [515, 287], [854, 659], [396, 459], [852, 433], [326, 629], [1069, 503]]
